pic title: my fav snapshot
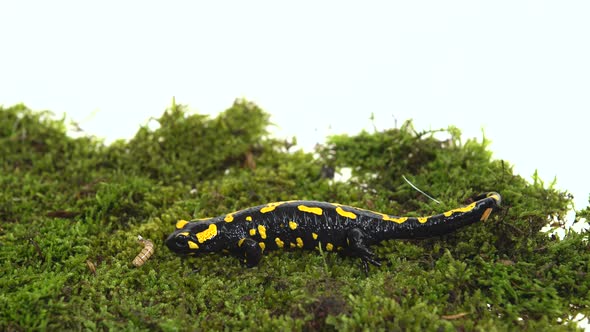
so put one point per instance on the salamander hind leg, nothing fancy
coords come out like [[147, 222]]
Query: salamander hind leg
[[357, 247], [250, 252]]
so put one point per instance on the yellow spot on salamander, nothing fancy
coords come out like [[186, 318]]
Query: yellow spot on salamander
[[252, 232], [229, 217], [329, 247], [207, 234], [314, 210], [292, 245], [399, 220], [181, 223], [279, 243], [486, 214], [314, 235], [292, 225], [461, 209], [249, 218], [386, 217], [422, 219], [192, 245], [262, 231], [345, 214], [299, 242], [262, 245], [495, 196], [241, 242], [270, 207], [184, 233]]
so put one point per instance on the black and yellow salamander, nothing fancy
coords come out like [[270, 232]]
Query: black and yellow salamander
[[311, 225]]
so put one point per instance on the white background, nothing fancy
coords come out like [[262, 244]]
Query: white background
[[518, 69]]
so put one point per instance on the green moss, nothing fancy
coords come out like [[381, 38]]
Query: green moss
[[71, 209]]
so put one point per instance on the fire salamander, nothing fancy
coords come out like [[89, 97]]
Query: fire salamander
[[311, 225]]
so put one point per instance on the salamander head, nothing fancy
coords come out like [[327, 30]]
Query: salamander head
[[194, 237]]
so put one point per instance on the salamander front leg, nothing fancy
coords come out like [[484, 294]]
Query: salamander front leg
[[355, 238], [250, 252]]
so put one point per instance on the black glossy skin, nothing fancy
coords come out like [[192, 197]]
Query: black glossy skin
[[328, 225]]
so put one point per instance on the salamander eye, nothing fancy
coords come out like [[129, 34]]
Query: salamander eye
[[180, 240]]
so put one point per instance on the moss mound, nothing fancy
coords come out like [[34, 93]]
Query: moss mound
[[71, 209]]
